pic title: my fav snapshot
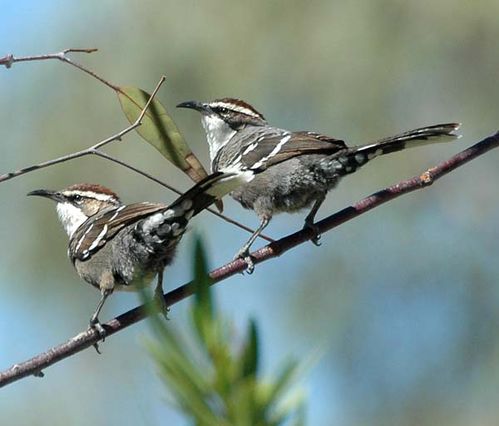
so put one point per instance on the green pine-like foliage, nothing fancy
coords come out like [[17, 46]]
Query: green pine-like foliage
[[214, 380]]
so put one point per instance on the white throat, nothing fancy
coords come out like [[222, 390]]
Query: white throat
[[70, 216], [218, 133]]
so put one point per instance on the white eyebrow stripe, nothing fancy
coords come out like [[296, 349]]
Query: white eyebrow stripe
[[237, 108], [90, 194], [276, 149]]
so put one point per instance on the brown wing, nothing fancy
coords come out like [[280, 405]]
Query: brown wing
[[276, 149], [102, 227]]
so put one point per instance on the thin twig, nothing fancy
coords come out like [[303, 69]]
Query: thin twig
[[136, 170], [88, 151], [34, 366], [9, 60]]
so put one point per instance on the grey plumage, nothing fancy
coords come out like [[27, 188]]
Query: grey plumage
[[115, 246], [297, 168]]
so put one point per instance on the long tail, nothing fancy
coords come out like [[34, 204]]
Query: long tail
[[210, 189], [418, 137], [354, 157]]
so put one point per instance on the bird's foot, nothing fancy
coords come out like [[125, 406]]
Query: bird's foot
[[97, 326], [316, 239], [162, 306], [244, 254]]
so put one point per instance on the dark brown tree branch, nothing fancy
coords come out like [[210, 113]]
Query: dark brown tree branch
[[34, 366]]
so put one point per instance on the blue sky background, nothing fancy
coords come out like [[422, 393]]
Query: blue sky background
[[404, 300]]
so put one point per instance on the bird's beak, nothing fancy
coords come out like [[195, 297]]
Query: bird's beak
[[198, 106], [53, 195]]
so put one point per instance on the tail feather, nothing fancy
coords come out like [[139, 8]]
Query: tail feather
[[413, 138], [348, 161], [212, 188]]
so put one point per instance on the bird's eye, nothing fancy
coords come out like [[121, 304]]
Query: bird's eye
[[77, 198]]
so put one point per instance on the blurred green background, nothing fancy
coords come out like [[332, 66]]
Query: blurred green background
[[405, 299]]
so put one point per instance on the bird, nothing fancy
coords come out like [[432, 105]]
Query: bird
[[296, 168], [117, 246]]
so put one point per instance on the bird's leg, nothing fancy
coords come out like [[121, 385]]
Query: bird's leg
[[243, 253], [94, 319], [159, 296], [310, 220]]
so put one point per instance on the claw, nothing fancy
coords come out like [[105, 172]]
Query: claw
[[163, 308], [244, 252], [316, 240], [97, 326], [250, 265], [160, 298], [310, 219], [317, 235], [166, 312]]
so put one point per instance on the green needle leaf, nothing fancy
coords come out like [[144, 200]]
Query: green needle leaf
[[249, 357]]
